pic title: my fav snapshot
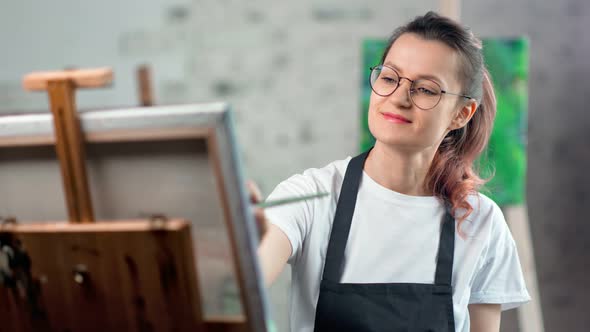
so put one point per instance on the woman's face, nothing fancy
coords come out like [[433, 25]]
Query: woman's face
[[415, 58]]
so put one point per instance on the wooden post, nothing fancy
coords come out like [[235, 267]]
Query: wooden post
[[61, 97], [144, 81], [451, 9], [69, 140], [530, 316]]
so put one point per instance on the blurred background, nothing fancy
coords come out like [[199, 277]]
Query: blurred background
[[293, 72]]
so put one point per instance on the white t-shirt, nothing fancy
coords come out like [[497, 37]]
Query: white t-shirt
[[394, 239]]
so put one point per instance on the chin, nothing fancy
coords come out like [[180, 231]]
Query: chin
[[395, 139], [384, 133], [395, 142]]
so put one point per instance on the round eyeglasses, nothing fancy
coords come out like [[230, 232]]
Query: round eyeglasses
[[424, 93]]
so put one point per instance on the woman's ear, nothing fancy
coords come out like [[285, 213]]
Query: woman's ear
[[464, 114]]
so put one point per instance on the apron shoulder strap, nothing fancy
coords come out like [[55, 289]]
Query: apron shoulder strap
[[343, 218], [446, 250]]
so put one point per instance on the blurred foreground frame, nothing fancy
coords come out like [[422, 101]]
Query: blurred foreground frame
[[175, 245]]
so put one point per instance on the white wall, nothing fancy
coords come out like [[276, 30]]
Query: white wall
[[291, 70]]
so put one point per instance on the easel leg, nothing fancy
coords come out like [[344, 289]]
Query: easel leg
[[70, 150], [530, 316]]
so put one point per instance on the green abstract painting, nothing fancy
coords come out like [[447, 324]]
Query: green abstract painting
[[505, 158]]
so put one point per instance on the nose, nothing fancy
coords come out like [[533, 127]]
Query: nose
[[401, 96]]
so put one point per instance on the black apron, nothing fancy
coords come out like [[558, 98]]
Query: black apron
[[382, 306]]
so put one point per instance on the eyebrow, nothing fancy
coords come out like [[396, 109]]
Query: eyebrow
[[429, 77]]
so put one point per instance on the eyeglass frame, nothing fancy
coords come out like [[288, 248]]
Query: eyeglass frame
[[399, 82]]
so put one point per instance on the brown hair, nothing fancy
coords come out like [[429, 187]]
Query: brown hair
[[452, 176]]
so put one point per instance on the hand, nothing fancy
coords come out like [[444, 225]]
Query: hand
[[255, 198], [274, 248]]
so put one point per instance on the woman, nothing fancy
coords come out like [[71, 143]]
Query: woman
[[405, 242]]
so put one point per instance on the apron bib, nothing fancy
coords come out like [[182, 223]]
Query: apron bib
[[382, 306]]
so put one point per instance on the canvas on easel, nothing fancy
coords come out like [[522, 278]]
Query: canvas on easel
[[167, 162]]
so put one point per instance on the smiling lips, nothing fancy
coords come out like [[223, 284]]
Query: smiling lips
[[395, 118]]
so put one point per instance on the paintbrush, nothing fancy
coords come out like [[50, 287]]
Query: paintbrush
[[290, 200]]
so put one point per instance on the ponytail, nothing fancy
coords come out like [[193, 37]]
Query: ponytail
[[451, 176]]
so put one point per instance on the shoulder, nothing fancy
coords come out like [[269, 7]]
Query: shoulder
[[330, 172], [483, 206], [486, 219], [327, 178]]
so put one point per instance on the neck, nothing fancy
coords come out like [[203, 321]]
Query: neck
[[398, 170]]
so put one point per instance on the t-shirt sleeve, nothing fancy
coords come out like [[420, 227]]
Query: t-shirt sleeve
[[499, 278], [293, 219]]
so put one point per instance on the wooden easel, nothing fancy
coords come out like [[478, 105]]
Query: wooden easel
[[82, 275]]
